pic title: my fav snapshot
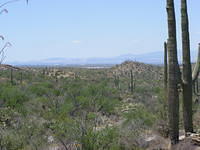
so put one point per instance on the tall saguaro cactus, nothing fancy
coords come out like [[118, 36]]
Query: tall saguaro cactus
[[165, 67], [11, 76], [131, 84], [187, 71], [174, 78], [173, 74], [21, 77]]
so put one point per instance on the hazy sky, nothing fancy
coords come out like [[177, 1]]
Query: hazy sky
[[89, 28]]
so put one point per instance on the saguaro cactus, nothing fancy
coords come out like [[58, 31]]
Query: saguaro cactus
[[11, 76], [195, 75], [165, 67], [195, 72], [174, 79], [165, 81], [56, 76], [21, 77], [187, 71], [116, 81], [132, 84], [173, 75]]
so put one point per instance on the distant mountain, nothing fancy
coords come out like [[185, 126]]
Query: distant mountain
[[149, 58]]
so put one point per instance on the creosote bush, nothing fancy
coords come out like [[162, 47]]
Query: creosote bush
[[12, 96]]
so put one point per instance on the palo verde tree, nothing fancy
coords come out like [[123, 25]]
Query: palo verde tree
[[172, 70]]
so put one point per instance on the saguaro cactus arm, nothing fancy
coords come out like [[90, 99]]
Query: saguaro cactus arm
[[196, 70], [165, 65], [196, 88]]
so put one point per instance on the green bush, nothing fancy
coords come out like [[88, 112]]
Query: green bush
[[12, 96], [41, 89], [108, 105], [11, 142], [106, 139], [139, 117]]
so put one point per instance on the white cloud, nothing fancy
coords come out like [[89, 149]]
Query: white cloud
[[76, 41]]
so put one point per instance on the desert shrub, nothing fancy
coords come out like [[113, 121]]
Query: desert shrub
[[101, 97], [8, 118], [56, 92], [139, 119], [40, 89], [106, 139], [161, 124], [12, 96], [142, 90], [34, 133], [91, 97], [108, 105], [36, 106], [65, 130], [11, 141]]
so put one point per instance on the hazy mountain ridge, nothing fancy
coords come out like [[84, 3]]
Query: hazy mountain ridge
[[149, 58]]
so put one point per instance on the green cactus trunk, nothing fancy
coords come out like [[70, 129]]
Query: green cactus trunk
[[132, 84], [195, 72], [187, 71], [165, 66], [173, 75], [21, 77], [11, 76], [116, 81], [165, 81]]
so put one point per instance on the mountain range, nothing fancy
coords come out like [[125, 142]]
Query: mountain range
[[149, 58]]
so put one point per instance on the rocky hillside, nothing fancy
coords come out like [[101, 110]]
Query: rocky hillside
[[137, 68]]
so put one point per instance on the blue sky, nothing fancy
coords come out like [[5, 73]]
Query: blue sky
[[89, 28]]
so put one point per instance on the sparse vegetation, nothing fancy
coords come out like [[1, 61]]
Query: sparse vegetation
[[129, 106], [88, 110]]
